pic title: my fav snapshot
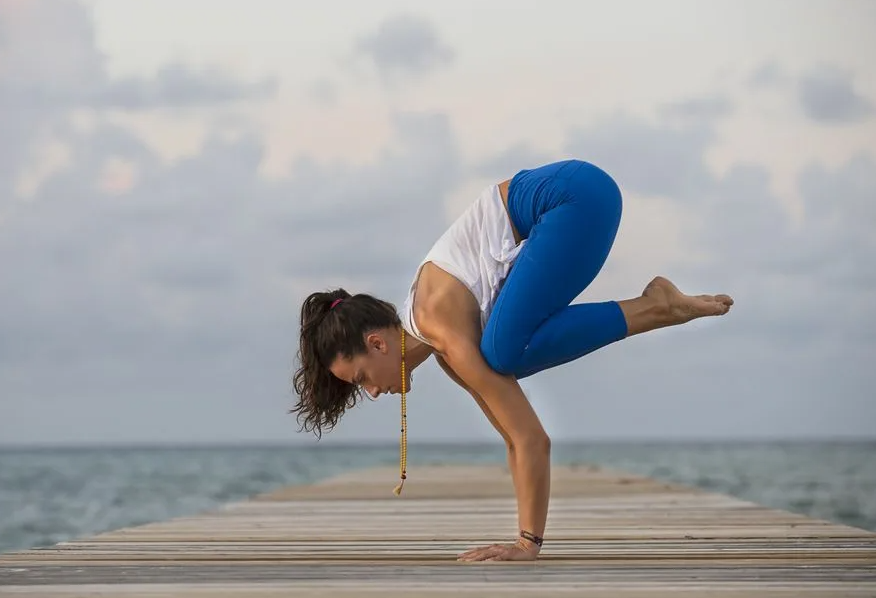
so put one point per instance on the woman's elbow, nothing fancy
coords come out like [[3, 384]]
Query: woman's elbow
[[533, 443]]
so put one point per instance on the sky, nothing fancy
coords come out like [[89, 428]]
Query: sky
[[177, 176]]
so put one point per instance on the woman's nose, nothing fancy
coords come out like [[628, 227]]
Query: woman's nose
[[374, 391]]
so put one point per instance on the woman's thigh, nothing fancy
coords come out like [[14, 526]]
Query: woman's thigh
[[566, 247]]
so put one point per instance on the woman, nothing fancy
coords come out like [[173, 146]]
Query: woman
[[491, 302]]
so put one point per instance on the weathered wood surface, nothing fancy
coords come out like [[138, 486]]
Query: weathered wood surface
[[609, 534]]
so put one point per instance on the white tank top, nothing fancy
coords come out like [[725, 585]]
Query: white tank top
[[478, 250]]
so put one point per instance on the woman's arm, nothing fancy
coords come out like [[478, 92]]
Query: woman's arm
[[512, 415]]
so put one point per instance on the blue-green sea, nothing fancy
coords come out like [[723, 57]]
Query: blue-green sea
[[48, 495]]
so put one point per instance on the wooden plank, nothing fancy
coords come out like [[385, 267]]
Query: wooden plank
[[755, 590], [608, 533]]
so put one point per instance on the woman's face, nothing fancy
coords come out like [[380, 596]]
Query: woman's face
[[378, 370]]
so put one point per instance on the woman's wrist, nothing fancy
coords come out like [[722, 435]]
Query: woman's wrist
[[530, 541]]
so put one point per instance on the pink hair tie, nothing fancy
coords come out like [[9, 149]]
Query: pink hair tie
[[335, 302]]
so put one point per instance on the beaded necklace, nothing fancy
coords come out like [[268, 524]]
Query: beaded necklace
[[403, 457], [403, 461]]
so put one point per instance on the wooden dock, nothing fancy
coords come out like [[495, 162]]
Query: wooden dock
[[609, 534]]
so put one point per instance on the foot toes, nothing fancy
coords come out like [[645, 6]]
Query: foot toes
[[724, 301]]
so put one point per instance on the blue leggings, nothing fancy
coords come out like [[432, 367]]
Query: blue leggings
[[569, 212]]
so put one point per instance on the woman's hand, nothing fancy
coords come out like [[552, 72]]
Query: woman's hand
[[522, 550]]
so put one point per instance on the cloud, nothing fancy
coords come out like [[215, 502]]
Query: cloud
[[506, 163], [786, 274], [323, 91], [176, 85], [752, 239], [793, 344], [801, 287], [50, 66], [146, 283], [828, 95], [709, 108], [840, 220], [198, 270], [403, 48], [48, 50], [161, 302], [653, 159], [741, 206], [768, 75], [50, 61]]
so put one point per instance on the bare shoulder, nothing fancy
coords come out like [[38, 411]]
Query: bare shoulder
[[448, 315], [444, 308]]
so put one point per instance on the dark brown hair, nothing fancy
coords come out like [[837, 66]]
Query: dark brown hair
[[325, 333]]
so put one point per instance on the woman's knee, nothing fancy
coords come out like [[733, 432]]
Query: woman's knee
[[598, 184]]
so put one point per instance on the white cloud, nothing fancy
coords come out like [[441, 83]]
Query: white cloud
[[404, 47], [710, 107], [828, 95], [199, 266], [648, 158], [50, 60], [50, 67], [161, 295]]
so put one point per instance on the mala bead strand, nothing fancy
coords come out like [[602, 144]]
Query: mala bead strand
[[403, 462]]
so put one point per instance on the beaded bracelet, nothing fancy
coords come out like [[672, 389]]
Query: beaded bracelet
[[537, 540]]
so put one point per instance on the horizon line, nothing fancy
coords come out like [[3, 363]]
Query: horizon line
[[379, 443]]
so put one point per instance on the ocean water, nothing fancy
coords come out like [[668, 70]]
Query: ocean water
[[49, 495]]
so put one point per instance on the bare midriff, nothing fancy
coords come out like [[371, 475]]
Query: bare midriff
[[503, 191]]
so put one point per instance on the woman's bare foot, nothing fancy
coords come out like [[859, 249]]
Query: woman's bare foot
[[662, 304], [684, 308]]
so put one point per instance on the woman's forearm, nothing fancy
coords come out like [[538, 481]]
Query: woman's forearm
[[512, 415], [512, 464], [531, 474]]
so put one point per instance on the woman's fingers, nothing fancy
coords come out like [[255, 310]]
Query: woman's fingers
[[477, 554]]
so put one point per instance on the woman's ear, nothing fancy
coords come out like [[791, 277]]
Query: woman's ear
[[376, 341]]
